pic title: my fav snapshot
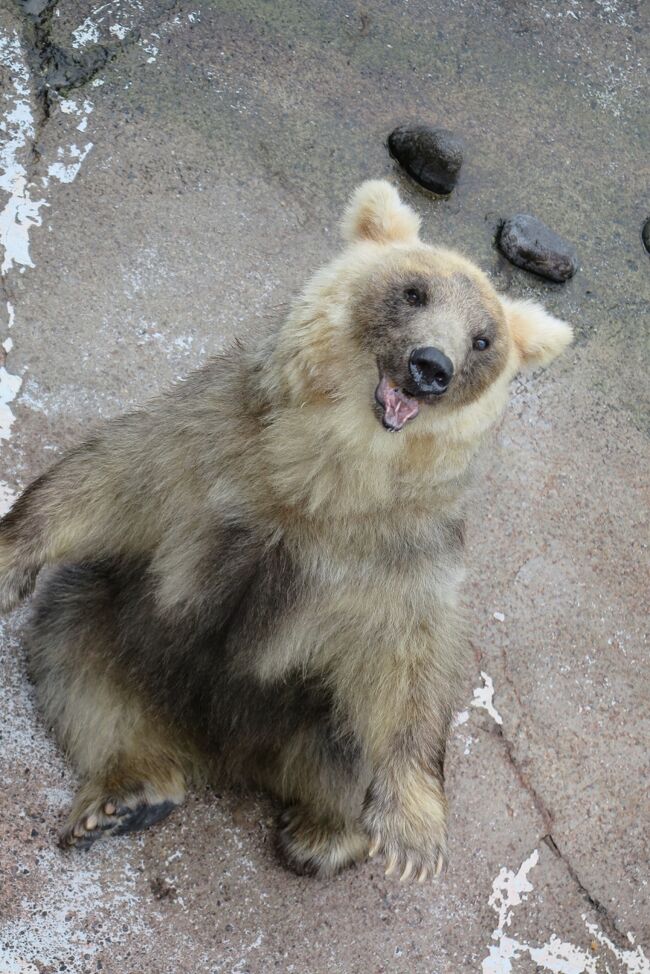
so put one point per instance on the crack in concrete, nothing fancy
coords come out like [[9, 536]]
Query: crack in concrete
[[597, 905], [524, 780], [545, 814], [56, 69], [549, 840], [61, 70]]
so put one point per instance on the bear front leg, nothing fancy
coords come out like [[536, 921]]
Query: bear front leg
[[404, 699], [405, 810]]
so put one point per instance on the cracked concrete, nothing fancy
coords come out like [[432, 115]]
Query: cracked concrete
[[176, 170]]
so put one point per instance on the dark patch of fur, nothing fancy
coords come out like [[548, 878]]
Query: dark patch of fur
[[390, 328], [193, 669]]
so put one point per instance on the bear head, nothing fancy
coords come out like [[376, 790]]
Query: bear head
[[410, 332]]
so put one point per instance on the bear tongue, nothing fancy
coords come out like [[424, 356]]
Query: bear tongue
[[398, 407]]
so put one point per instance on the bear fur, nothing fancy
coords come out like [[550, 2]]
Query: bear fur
[[257, 577]]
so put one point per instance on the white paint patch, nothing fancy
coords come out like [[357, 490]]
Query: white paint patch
[[510, 890], [90, 31], [9, 386], [20, 213], [499, 616], [119, 31], [8, 343], [70, 107], [7, 497], [151, 50], [635, 961], [86, 33], [563, 958], [484, 696], [67, 172]]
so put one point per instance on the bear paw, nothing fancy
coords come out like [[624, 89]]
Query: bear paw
[[316, 847]]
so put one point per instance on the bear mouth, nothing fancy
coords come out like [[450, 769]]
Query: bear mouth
[[397, 406]]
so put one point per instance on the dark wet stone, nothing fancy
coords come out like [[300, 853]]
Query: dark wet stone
[[66, 70], [433, 157], [530, 244], [645, 234]]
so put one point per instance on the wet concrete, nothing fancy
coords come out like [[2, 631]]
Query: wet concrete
[[189, 187]]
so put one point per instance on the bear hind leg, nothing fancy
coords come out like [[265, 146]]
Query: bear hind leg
[[132, 765]]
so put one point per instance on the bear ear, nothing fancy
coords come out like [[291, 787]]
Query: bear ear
[[376, 213], [538, 335]]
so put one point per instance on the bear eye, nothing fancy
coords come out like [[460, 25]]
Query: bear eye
[[481, 343], [414, 296]]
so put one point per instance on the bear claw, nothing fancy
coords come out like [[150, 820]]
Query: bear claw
[[114, 818]]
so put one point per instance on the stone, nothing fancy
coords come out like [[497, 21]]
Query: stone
[[645, 234], [433, 157], [530, 244]]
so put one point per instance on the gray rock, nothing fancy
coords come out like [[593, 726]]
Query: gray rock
[[645, 234], [433, 157], [530, 244]]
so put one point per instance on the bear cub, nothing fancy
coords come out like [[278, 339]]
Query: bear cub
[[257, 577]]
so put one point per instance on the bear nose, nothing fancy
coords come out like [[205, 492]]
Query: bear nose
[[431, 370]]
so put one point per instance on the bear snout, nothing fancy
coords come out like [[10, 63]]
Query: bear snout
[[431, 370]]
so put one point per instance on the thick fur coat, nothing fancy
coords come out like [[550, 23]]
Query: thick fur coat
[[258, 575]]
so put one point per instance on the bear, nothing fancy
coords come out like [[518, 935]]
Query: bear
[[257, 577]]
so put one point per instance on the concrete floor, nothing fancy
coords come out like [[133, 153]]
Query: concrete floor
[[182, 193]]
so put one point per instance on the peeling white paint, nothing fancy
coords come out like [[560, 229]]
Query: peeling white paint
[[119, 31], [86, 33], [8, 343], [67, 172], [9, 386], [484, 696], [89, 32], [20, 212], [70, 107], [635, 961], [19, 215], [151, 50], [510, 890], [7, 497]]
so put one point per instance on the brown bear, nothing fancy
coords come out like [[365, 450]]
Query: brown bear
[[257, 577]]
